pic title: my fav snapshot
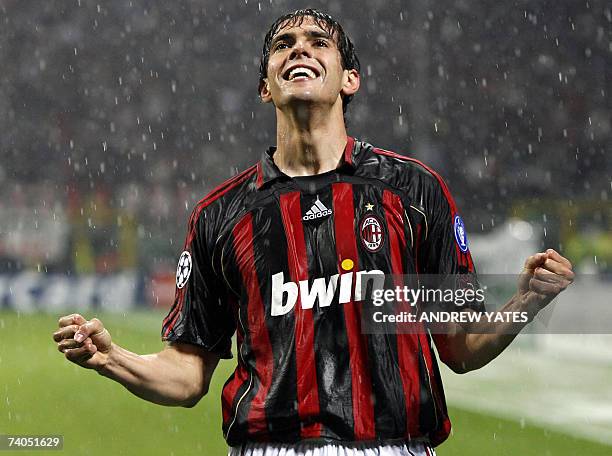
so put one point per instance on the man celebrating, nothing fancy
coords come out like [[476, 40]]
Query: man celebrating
[[275, 254]]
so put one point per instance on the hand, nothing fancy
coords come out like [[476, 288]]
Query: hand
[[86, 343], [543, 277]]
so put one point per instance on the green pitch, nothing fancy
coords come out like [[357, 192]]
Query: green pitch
[[42, 393]]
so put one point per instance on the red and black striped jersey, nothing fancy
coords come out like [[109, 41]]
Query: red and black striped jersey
[[266, 256]]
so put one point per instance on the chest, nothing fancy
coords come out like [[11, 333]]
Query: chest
[[316, 236]]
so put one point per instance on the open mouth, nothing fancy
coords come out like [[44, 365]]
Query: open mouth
[[302, 73]]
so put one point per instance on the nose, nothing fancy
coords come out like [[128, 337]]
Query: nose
[[299, 49]]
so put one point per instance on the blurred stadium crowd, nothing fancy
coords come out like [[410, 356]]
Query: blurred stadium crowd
[[117, 116]]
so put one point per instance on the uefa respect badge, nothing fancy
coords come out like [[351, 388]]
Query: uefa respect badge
[[460, 235]]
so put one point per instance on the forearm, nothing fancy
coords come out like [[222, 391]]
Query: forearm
[[164, 378], [491, 338], [544, 276], [474, 347]]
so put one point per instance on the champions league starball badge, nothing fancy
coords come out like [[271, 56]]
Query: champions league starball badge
[[183, 270], [460, 235]]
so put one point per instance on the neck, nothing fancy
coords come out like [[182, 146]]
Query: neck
[[309, 140]]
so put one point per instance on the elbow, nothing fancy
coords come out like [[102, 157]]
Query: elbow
[[193, 399], [461, 358], [459, 366], [190, 403], [464, 366]]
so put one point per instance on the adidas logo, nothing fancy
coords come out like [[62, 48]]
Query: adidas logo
[[317, 211]]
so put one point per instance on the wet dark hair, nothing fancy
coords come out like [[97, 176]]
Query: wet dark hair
[[327, 23]]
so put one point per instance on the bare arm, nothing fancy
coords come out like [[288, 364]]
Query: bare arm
[[179, 375], [544, 276]]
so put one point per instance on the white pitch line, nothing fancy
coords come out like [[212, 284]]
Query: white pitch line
[[570, 396]]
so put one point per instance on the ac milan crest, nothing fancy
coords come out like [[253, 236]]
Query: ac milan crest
[[371, 232]]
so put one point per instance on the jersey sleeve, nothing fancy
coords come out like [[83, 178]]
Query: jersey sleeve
[[445, 253], [201, 313]]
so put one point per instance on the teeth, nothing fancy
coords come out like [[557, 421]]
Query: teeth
[[304, 70]]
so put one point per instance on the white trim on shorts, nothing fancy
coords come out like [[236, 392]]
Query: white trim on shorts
[[332, 449]]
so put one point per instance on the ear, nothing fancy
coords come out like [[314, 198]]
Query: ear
[[351, 82], [264, 91]]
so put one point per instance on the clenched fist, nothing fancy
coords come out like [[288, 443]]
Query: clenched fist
[[544, 276], [84, 342]]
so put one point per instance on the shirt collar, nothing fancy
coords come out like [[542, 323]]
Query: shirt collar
[[267, 171]]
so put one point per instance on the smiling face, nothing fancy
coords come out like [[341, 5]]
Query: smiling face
[[305, 66]]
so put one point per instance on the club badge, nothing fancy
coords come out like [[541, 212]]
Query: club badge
[[183, 270], [371, 232]]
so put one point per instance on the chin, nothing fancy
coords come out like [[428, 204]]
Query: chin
[[309, 96]]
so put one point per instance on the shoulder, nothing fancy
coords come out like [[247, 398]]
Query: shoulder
[[422, 185], [401, 171], [220, 201]]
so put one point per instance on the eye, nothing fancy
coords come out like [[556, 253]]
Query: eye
[[321, 43], [280, 46]]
